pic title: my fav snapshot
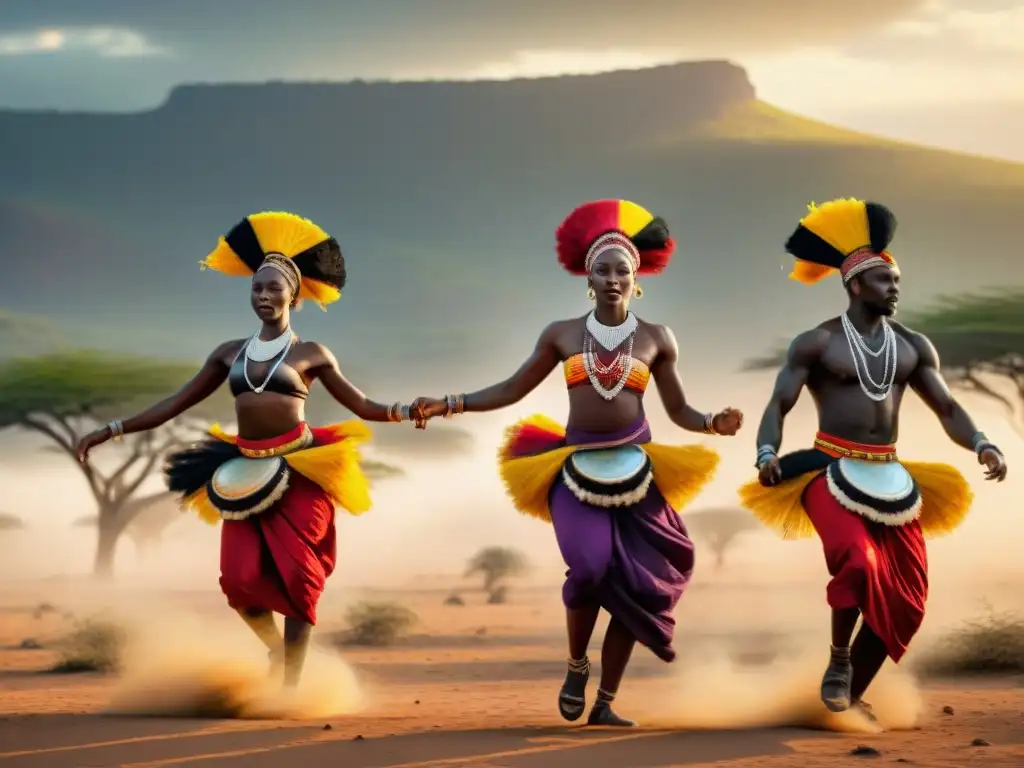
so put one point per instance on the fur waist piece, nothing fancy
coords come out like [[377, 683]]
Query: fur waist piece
[[883, 492]]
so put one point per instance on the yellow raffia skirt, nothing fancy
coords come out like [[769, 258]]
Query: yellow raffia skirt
[[946, 499], [329, 456], [532, 454]]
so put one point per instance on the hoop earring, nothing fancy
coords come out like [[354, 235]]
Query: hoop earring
[[638, 291], [591, 293]]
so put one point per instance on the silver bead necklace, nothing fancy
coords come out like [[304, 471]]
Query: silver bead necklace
[[877, 391]]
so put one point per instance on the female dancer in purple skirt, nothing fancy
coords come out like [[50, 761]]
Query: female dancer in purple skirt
[[611, 493]]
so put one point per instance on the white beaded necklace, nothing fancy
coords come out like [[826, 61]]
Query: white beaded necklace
[[611, 336], [260, 351], [877, 391]]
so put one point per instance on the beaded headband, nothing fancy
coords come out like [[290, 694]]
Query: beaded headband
[[608, 242], [863, 260], [288, 268]]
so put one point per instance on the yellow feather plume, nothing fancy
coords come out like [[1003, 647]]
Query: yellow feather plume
[[224, 260], [319, 293], [842, 223], [285, 233], [809, 273]]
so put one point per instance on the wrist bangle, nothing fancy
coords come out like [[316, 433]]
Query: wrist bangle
[[405, 413], [395, 412], [765, 453], [116, 429], [709, 424], [455, 405], [978, 440]]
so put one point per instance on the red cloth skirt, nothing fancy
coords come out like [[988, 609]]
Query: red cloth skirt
[[280, 560], [880, 569]]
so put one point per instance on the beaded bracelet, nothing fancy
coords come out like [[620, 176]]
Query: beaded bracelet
[[765, 453], [456, 404], [709, 424]]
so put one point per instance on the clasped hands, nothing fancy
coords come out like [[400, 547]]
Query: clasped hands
[[423, 409]]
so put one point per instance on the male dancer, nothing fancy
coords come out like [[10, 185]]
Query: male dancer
[[870, 510]]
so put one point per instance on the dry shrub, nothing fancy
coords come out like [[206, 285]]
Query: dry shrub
[[993, 644], [376, 624], [95, 645]]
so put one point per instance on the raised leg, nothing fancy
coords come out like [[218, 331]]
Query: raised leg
[[615, 654], [835, 685]]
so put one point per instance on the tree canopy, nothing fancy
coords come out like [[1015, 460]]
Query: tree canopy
[[719, 527], [496, 565]]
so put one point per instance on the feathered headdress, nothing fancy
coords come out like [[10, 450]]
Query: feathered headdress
[[274, 237], [602, 224], [847, 235]]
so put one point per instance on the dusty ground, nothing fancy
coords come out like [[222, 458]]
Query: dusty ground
[[474, 686]]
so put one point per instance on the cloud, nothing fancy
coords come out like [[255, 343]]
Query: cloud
[[967, 35], [110, 42], [464, 33]]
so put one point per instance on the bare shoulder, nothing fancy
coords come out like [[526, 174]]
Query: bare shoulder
[[315, 353], [227, 351], [661, 334], [808, 346], [557, 330], [920, 343]]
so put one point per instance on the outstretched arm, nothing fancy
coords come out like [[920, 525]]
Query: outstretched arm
[[803, 353], [326, 369], [521, 383], [201, 386], [670, 386]]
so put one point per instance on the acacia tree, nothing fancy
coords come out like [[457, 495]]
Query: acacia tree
[[980, 340], [496, 565], [720, 527], [63, 395]]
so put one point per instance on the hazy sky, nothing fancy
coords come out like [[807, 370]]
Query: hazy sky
[[948, 72]]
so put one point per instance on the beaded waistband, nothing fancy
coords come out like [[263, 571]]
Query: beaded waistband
[[299, 438], [837, 447]]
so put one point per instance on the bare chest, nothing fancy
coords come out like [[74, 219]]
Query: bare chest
[[842, 359]]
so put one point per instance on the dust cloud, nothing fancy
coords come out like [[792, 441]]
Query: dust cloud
[[711, 692], [181, 666]]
